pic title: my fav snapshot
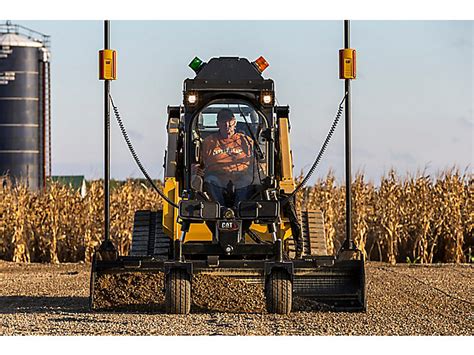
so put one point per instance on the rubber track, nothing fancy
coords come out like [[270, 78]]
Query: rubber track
[[279, 293], [291, 244], [314, 238], [140, 234], [148, 237], [291, 247], [162, 242], [178, 292]]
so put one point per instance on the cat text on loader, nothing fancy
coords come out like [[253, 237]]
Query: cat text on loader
[[228, 174]]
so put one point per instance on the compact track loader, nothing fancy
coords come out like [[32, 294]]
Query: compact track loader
[[246, 227]]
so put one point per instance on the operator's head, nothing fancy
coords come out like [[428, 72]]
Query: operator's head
[[226, 123]]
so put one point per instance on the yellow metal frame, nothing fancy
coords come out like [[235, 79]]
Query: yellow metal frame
[[287, 183], [199, 231]]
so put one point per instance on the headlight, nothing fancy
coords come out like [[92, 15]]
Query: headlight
[[266, 98], [191, 98]]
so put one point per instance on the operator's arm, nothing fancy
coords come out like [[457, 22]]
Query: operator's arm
[[243, 152], [247, 146], [197, 169]]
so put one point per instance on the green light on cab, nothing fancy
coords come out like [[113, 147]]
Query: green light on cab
[[195, 64]]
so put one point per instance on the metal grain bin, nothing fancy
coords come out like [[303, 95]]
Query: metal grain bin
[[24, 107]]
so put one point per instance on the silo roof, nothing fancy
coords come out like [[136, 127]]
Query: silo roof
[[16, 40]]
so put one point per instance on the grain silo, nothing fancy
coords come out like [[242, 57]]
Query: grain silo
[[25, 108]]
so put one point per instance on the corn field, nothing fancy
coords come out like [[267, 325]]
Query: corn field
[[411, 219]]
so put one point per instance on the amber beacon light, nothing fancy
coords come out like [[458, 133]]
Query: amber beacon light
[[261, 64], [107, 64]]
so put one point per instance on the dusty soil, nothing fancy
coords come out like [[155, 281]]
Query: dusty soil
[[145, 292], [38, 299]]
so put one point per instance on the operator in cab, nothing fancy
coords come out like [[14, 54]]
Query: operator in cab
[[227, 162]]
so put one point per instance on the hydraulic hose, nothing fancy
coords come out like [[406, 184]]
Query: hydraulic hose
[[135, 156], [321, 151]]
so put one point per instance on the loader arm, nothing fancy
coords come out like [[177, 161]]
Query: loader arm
[[285, 171]]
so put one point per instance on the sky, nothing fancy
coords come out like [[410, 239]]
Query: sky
[[412, 101]]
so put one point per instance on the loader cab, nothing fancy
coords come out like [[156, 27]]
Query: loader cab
[[227, 168], [224, 172]]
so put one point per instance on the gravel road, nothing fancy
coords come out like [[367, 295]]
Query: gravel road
[[39, 299]]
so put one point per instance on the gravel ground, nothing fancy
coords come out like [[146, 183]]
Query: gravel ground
[[37, 299]]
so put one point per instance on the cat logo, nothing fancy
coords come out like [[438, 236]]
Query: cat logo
[[228, 225]]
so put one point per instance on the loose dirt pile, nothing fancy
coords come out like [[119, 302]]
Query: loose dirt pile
[[145, 292], [224, 294], [129, 291]]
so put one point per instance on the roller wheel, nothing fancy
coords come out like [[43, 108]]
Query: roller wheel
[[178, 292], [279, 292]]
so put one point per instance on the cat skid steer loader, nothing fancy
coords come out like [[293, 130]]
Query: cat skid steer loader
[[229, 207]]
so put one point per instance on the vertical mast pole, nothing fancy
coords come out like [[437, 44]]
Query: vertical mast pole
[[348, 244], [107, 140]]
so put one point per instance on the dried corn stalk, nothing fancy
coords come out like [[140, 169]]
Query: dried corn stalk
[[419, 218]]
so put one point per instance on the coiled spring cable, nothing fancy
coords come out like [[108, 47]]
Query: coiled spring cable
[[135, 156], [321, 151]]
